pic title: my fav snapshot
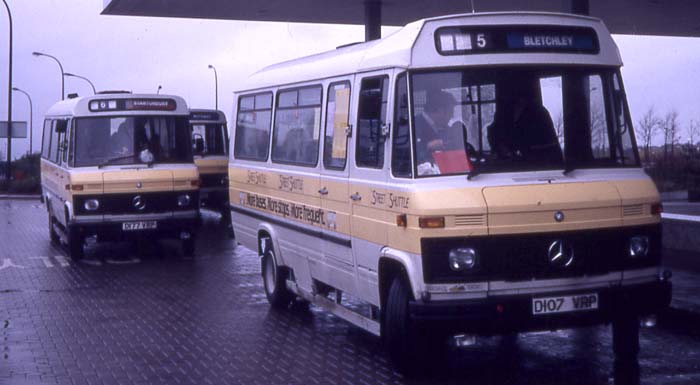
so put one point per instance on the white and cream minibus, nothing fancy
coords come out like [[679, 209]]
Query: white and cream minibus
[[210, 139], [119, 166], [467, 175]]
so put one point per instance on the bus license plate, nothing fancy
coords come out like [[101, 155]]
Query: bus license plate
[[563, 304], [141, 225]]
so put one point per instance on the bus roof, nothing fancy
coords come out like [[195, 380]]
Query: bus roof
[[414, 46], [202, 115], [81, 106]]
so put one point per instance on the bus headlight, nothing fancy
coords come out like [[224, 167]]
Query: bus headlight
[[91, 204], [462, 258], [639, 246], [183, 200]]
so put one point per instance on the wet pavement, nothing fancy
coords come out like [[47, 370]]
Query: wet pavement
[[148, 315]]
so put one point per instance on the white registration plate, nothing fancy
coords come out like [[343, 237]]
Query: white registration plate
[[140, 225], [563, 304]]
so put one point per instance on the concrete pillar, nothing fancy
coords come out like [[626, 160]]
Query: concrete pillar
[[580, 7], [373, 19]]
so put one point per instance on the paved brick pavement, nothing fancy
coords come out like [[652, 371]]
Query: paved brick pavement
[[151, 316]]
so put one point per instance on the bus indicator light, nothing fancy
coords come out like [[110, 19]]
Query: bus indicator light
[[431, 222]]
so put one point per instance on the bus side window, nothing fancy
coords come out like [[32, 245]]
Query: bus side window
[[53, 154], [252, 136], [401, 146], [371, 122], [66, 141], [297, 124], [61, 126], [46, 139], [337, 115]]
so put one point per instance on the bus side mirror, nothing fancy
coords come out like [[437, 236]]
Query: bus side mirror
[[198, 145]]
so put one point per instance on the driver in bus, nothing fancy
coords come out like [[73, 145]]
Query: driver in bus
[[522, 127]]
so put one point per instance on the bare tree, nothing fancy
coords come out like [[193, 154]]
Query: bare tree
[[693, 131], [599, 133], [670, 130], [647, 129], [559, 127]]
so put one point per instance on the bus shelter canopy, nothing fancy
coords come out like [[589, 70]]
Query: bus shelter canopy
[[645, 17]]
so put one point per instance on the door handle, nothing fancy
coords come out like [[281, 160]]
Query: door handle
[[323, 191], [356, 197]]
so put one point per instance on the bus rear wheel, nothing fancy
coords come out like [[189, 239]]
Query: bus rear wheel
[[275, 282], [53, 235]]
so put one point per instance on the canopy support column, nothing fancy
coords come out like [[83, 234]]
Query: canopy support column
[[580, 7], [373, 20]]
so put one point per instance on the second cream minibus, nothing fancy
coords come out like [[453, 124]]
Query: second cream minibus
[[118, 166]]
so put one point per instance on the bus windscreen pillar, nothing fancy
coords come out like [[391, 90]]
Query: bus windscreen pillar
[[373, 20]]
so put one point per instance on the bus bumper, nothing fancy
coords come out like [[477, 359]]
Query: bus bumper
[[508, 314], [166, 226], [214, 198]]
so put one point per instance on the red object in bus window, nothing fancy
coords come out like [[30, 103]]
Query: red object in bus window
[[452, 162]]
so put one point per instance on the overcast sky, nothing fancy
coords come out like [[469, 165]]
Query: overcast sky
[[138, 54]]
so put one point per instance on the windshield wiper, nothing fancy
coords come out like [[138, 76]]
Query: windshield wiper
[[112, 160], [473, 173], [568, 168]]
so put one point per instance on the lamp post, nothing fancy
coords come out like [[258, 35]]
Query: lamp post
[[94, 92], [59, 66], [158, 91], [216, 87], [30, 116], [9, 96]]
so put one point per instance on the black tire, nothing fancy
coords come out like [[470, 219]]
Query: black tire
[[188, 246], [53, 235], [625, 331], [406, 345], [275, 281], [75, 244]]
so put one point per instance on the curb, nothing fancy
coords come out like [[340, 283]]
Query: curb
[[20, 197], [682, 320]]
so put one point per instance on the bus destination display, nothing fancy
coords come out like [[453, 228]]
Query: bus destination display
[[496, 39]]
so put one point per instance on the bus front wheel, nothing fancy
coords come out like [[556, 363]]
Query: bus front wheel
[[75, 244], [406, 345]]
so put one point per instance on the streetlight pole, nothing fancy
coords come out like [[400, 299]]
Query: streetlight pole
[[94, 92], [63, 85], [9, 97], [158, 91], [31, 129], [216, 87]]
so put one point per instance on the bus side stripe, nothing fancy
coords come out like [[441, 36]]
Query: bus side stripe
[[314, 233]]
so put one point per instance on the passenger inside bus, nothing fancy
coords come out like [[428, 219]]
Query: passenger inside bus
[[435, 134], [121, 140]]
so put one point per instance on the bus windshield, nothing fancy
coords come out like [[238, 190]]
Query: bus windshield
[[511, 119], [103, 141], [213, 136]]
